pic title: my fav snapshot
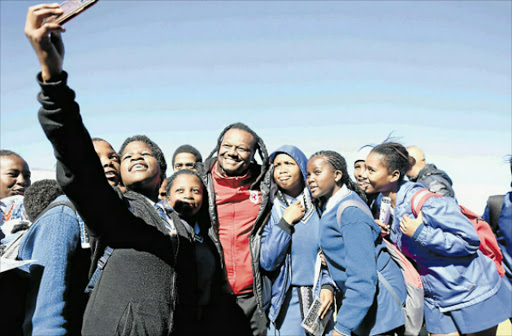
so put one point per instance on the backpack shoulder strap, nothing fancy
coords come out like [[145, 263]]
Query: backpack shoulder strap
[[494, 204], [351, 203], [54, 205], [390, 289], [419, 198], [99, 269]]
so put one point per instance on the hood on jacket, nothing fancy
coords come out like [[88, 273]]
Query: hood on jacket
[[296, 154], [431, 169]]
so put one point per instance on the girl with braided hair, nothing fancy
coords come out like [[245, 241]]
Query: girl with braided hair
[[464, 293], [354, 251], [290, 246]]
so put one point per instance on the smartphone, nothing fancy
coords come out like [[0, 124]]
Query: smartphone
[[72, 8]]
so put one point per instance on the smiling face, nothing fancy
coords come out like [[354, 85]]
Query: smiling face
[[322, 179], [359, 169], [140, 170], [109, 161], [380, 180], [235, 152], [287, 175], [14, 176], [186, 195]]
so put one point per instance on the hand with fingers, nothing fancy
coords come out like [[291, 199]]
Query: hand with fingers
[[322, 259], [294, 213], [383, 227], [327, 298], [409, 225], [44, 35]]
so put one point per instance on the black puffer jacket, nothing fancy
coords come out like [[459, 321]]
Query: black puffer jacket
[[262, 285], [436, 180]]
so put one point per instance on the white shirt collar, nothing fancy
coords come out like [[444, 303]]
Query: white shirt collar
[[338, 196]]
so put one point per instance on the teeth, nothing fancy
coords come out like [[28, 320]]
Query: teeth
[[137, 166]]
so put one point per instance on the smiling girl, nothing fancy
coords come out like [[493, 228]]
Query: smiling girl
[[354, 252], [187, 197], [463, 290], [290, 245], [138, 291]]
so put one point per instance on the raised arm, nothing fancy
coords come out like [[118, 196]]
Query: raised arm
[[79, 170], [45, 39]]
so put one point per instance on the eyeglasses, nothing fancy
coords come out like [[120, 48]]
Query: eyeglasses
[[240, 150]]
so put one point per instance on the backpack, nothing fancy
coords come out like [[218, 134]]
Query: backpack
[[413, 307], [494, 204], [488, 243]]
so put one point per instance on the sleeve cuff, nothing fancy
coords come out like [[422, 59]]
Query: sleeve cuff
[[59, 80], [285, 226], [328, 286], [56, 93], [341, 330], [418, 231]]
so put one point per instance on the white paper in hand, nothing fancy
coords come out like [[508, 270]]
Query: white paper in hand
[[9, 264], [312, 322]]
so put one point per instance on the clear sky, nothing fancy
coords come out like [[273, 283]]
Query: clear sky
[[319, 75]]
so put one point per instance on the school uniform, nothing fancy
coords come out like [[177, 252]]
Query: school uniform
[[57, 278], [463, 290], [290, 252], [354, 252]]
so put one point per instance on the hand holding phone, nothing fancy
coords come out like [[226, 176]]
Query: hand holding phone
[[45, 38], [72, 8]]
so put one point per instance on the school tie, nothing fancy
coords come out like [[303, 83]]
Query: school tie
[[168, 223]]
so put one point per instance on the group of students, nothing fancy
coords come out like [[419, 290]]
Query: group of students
[[229, 246]]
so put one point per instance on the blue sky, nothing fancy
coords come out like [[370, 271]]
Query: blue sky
[[320, 75]]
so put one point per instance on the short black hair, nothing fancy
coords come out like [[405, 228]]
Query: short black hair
[[187, 149], [157, 152], [259, 146], [395, 157], [39, 195], [338, 162], [6, 152]]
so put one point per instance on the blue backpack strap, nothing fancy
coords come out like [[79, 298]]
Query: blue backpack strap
[[390, 289], [99, 269], [352, 203], [366, 210]]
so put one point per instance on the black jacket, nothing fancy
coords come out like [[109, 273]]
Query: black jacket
[[137, 291], [436, 180], [261, 285]]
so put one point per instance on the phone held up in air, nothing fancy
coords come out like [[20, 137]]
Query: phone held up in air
[[72, 8]]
